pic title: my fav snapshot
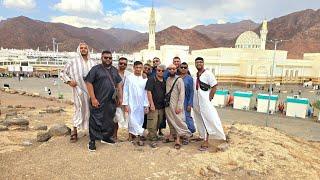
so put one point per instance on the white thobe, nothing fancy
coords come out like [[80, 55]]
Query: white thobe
[[205, 114], [135, 96], [120, 115], [76, 70]]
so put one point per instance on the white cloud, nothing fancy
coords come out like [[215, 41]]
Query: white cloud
[[221, 21], [130, 3], [19, 4], [181, 13], [80, 6], [82, 22], [2, 18]]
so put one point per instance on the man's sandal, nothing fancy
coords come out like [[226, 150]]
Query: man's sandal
[[74, 138], [203, 148], [177, 146]]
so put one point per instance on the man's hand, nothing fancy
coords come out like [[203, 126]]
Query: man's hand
[[72, 83], [189, 108], [126, 109], [178, 110], [152, 107], [119, 102], [146, 110], [95, 103]]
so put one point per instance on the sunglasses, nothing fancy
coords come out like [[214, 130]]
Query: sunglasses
[[124, 64], [155, 61], [159, 70], [184, 67], [106, 58]]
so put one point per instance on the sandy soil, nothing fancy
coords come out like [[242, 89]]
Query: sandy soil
[[253, 152]]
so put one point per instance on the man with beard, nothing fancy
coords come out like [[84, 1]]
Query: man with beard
[[73, 74], [206, 115], [136, 102], [188, 101], [156, 89], [104, 87], [120, 117], [146, 71], [175, 111]]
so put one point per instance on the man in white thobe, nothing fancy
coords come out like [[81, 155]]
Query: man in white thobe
[[136, 102], [119, 118], [73, 74], [205, 114]]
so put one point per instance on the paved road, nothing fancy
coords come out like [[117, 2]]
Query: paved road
[[304, 128]]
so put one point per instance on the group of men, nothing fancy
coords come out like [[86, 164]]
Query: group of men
[[106, 97]]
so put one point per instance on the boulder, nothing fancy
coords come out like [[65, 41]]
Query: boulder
[[43, 136], [59, 130], [16, 122], [35, 95]]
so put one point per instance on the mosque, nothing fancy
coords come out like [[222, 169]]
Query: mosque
[[247, 63]]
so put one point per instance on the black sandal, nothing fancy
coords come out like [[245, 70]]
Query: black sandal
[[140, 143], [177, 146], [74, 138]]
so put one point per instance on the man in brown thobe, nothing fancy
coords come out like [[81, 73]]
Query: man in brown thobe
[[175, 111]]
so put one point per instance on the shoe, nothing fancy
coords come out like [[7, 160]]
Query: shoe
[[92, 146], [108, 141], [160, 134]]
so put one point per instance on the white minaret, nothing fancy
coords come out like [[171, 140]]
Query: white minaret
[[263, 34], [152, 31]]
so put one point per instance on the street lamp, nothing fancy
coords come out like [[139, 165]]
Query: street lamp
[[275, 41]]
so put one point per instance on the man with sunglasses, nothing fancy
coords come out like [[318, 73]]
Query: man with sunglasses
[[188, 101], [120, 116], [147, 69], [156, 62], [104, 87], [156, 89], [205, 114]]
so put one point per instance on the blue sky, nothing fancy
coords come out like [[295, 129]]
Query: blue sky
[[133, 14]]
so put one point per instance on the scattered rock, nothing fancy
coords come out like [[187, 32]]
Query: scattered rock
[[261, 154], [59, 130], [16, 121], [3, 128], [43, 136], [32, 107], [9, 106], [223, 147], [204, 172], [233, 129], [54, 110], [214, 169], [42, 112], [40, 127], [11, 114], [27, 143], [22, 93], [18, 106], [253, 173], [35, 95]]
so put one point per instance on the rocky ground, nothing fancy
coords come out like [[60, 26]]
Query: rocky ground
[[34, 144]]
